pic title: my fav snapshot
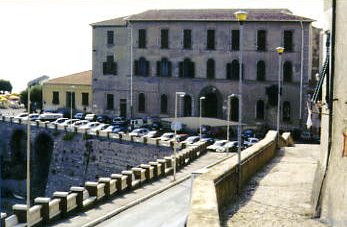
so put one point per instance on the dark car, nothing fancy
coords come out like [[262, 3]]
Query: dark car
[[119, 121], [80, 116], [119, 128], [248, 133], [103, 119], [156, 126]]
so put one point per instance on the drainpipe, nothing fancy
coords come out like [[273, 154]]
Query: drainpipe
[[301, 71]]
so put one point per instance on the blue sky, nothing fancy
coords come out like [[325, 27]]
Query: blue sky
[[53, 37]]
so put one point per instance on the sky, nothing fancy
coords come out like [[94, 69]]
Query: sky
[[54, 37]]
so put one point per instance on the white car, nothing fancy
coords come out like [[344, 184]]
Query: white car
[[167, 136], [59, 121], [100, 127], [139, 132], [228, 147], [109, 128], [191, 139], [250, 141], [21, 116], [151, 134], [216, 145], [67, 122], [89, 125]]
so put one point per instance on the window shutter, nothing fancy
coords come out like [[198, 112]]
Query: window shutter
[[192, 69], [158, 68], [104, 68], [114, 68], [147, 68], [228, 76], [170, 68], [180, 69], [136, 67]]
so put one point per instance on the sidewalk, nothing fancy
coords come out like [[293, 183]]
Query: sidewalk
[[280, 194], [122, 202]]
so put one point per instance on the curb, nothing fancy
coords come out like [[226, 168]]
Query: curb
[[140, 200]]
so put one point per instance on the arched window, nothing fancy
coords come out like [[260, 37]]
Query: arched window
[[163, 104], [260, 111], [141, 67], [210, 69], [187, 68], [142, 102], [234, 109], [286, 111], [164, 67], [187, 107], [287, 72], [261, 71], [235, 70]]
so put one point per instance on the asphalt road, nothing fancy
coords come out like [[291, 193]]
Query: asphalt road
[[169, 209]]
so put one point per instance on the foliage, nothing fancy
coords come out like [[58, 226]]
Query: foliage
[[69, 136], [35, 97], [5, 85]]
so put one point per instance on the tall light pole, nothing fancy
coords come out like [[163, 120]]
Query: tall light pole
[[280, 51], [228, 114], [178, 94], [201, 99], [241, 16], [72, 88], [36, 81]]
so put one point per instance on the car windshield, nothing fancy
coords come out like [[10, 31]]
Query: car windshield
[[219, 143]]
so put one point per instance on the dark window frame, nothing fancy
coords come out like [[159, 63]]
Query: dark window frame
[[235, 40], [187, 68], [288, 40], [142, 103], [110, 37], [211, 39], [163, 104], [261, 40], [85, 98], [142, 39], [109, 101], [287, 72], [55, 98], [260, 110], [109, 67], [164, 38], [187, 39], [210, 69], [261, 70]]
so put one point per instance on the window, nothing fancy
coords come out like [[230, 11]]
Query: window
[[85, 99], [234, 71], [110, 37], [141, 67], [261, 71], [164, 34], [70, 96], [235, 39], [286, 111], [287, 71], [234, 109], [260, 111], [210, 40], [187, 39], [110, 66], [210, 69], [261, 40], [55, 100], [164, 68], [288, 41], [109, 102], [187, 107], [142, 38], [142, 103], [163, 104], [187, 68]]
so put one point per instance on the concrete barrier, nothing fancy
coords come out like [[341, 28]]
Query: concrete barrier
[[157, 169], [83, 199], [218, 187], [2, 218], [20, 210], [288, 139], [68, 201], [140, 174], [110, 185], [132, 182], [95, 189], [153, 141], [12, 221], [149, 171], [121, 181], [50, 208]]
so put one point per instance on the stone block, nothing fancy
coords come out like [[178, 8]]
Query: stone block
[[20, 210], [149, 171], [121, 181], [95, 189], [110, 185], [50, 208], [68, 201]]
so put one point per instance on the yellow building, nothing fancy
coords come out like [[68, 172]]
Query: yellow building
[[69, 91]]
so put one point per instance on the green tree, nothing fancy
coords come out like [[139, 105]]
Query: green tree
[[35, 97], [5, 85]]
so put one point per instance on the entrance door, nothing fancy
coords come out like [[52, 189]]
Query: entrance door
[[123, 107], [210, 108]]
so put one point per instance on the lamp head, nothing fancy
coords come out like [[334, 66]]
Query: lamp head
[[241, 15], [180, 93], [280, 50], [202, 98]]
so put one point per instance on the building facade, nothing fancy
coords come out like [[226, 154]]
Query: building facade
[[72, 91], [140, 61]]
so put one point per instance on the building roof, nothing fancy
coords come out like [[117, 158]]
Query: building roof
[[113, 22], [216, 15], [82, 78]]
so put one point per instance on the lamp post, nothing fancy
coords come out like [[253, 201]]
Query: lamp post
[[72, 87], [241, 16], [280, 51], [38, 80], [180, 94], [228, 114], [201, 99]]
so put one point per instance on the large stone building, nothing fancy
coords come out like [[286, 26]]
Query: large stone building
[[140, 61], [68, 91]]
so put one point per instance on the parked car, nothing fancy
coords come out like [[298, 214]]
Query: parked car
[[156, 126], [139, 132], [109, 128], [89, 125], [119, 129], [59, 121], [191, 139], [167, 136], [230, 146], [79, 123], [103, 119], [216, 145], [247, 133], [152, 134], [50, 116], [250, 141], [119, 121], [32, 117], [100, 127], [90, 117], [21, 116], [306, 135], [80, 115], [180, 137], [136, 123], [68, 122]]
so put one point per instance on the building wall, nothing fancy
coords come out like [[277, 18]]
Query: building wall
[[154, 86], [47, 94]]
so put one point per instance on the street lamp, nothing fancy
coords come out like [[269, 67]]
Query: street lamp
[[34, 82], [280, 51], [72, 88], [201, 98], [176, 125], [228, 114], [241, 16]]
